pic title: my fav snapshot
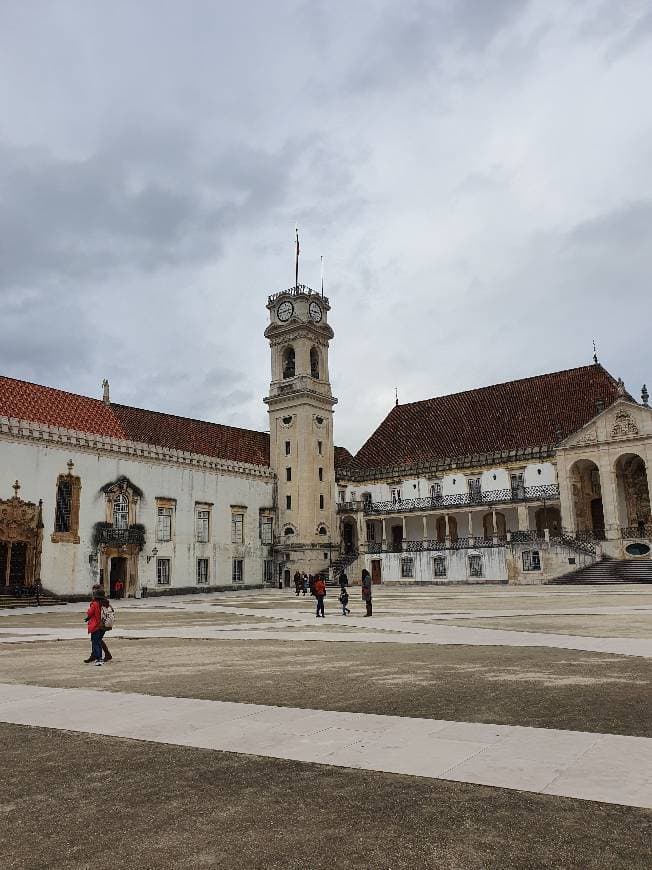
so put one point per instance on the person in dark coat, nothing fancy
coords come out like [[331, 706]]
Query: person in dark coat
[[366, 590], [298, 583]]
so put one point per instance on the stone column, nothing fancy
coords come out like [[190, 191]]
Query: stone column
[[470, 524], [523, 521], [609, 499], [404, 527], [494, 525], [425, 527], [383, 541]]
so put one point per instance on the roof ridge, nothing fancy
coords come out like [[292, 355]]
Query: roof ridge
[[503, 384]]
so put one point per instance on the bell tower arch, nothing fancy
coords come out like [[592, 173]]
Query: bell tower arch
[[300, 406]]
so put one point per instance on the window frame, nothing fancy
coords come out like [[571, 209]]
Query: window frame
[[407, 565], [120, 499], [164, 511], [198, 517], [237, 527], [205, 562], [237, 571], [266, 521], [531, 560], [163, 563], [439, 560], [475, 559]]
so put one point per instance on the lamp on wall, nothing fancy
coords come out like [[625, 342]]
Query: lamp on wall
[[152, 555]]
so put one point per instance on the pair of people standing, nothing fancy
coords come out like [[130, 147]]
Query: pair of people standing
[[98, 616]]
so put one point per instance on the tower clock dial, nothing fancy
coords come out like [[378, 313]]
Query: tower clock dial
[[285, 311], [315, 311]]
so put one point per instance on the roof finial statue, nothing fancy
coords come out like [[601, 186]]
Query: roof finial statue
[[621, 387], [645, 396], [396, 391], [595, 353], [105, 395], [16, 489]]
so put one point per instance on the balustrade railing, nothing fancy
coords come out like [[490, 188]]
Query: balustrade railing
[[547, 492], [637, 532]]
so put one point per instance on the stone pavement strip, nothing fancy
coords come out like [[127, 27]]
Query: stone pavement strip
[[600, 767]]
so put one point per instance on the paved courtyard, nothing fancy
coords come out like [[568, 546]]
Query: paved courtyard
[[459, 727]]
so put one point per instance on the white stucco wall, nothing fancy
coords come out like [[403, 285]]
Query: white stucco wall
[[65, 567], [457, 562]]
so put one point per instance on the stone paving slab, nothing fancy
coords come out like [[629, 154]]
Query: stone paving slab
[[601, 767]]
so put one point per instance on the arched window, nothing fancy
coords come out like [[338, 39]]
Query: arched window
[[121, 512], [288, 530], [314, 363], [322, 530], [288, 363]]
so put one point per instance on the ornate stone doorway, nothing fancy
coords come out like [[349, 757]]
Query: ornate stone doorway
[[21, 536]]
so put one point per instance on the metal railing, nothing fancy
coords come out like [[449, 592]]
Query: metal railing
[[637, 532], [547, 492]]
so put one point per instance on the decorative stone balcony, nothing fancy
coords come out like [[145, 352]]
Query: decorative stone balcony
[[105, 533], [548, 492]]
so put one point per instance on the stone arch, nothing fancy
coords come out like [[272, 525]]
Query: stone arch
[[632, 494], [488, 525], [288, 359], [586, 493], [349, 534], [548, 518], [315, 366]]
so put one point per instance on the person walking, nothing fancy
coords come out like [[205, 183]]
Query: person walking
[[343, 580], [366, 590], [344, 601], [38, 591], [319, 591], [96, 628], [298, 583], [304, 582]]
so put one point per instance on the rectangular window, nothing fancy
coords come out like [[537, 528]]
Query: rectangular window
[[321, 502], [287, 448], [319, 447], [64, 506], [439, 566], [475, 488], [321, 473], [237, 571], [531, 560], [475, 566], [268, 571], [202, 526], [407, 568], [517, 481], [395, 495], [288, 502], [435, 489], [163, 572], [266, 530], [237, 528], [288, 474], [164, 524], [371, 532], [342, 495], [202, 571]]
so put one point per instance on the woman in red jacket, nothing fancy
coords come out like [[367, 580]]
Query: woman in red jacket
[[95, 629]]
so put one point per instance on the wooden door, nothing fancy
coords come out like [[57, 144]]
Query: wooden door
[[18, 564], [376, 571]]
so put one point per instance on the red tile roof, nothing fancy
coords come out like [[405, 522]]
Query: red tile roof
[[528, 413], [39, 404], [342, 458]]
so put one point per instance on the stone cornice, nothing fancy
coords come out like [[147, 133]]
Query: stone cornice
[[474, 461], [15, 429]]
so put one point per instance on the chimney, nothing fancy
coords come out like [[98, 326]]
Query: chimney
[[105, 395]]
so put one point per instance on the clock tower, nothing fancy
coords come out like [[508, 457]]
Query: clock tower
[[300, 406]]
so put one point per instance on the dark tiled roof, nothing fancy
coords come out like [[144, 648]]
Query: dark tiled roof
[[342, 458], [528, 413], [57, 408]]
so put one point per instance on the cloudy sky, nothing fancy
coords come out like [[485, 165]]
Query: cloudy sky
[[476, 173]]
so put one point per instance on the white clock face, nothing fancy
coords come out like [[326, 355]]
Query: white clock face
[[285, 311], [315, 312]]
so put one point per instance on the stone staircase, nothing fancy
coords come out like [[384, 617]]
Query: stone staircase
[[9, 600], [608, 570], [338, 565]]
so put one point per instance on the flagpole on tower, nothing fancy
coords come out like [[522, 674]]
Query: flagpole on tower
[[296, 261], [322, 276]]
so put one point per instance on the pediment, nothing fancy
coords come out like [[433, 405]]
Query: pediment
[[621, 421]]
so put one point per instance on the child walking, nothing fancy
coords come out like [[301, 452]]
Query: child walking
[[344, 600]]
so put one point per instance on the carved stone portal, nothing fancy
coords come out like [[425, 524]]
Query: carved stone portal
[[21, 538]]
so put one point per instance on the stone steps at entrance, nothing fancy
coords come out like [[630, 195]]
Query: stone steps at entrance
[[8, 602], [609, 570]]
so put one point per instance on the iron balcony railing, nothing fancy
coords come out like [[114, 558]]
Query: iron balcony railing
[[110, 535], [563, 539], [638, 532], [547, 492]]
